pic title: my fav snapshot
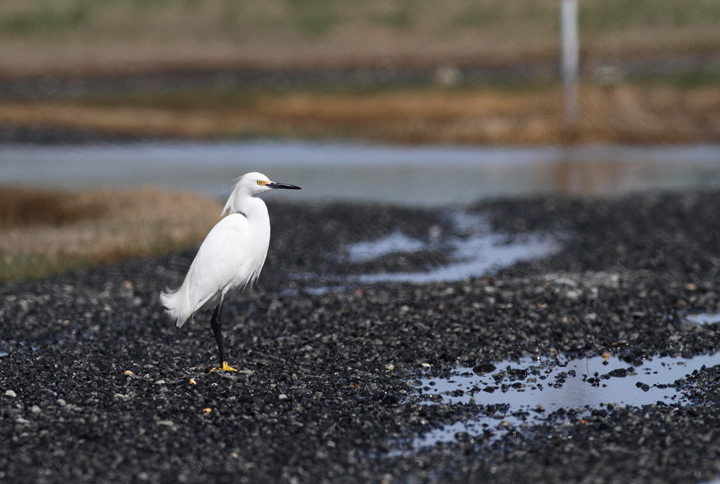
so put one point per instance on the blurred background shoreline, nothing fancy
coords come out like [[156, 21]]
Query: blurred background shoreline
[[98, 95], [91, 37], [399, 71]]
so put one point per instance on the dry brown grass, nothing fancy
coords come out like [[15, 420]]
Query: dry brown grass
[[23, 207], [46, 231], [622, 114]]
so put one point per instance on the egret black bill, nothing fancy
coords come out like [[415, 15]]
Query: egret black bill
[[283, 185]]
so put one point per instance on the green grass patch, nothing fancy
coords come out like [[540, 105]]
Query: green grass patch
[[399, 19], [317, 18], [611, 15], [685, 80], [44, 20], [317, 24]]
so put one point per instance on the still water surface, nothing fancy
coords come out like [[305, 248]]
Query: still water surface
[[527, 391], [413, 175]]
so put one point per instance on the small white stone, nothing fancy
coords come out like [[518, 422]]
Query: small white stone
[[591, 317], [282, 396], [10, 393], [61, 402], [35, 409], [572, 294]]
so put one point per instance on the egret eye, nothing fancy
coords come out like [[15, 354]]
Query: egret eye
[[261, 182]]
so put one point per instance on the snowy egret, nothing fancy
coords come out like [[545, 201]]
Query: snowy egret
[[231, 256]]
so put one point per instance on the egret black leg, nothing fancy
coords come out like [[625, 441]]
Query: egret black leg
[[217, 329]]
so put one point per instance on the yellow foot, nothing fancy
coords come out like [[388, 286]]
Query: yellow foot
[[225, 367]]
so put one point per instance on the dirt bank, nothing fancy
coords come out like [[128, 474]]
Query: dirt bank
[[626, 113]]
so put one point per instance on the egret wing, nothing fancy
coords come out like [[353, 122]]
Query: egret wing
[[219, 261]]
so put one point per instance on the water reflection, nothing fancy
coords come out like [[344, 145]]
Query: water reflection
[[527, 391], [420, 175], [603, 177]]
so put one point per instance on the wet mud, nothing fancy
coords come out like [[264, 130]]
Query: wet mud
[[97, 385]]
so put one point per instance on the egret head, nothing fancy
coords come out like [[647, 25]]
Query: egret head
[[249, 185], [256, 183]]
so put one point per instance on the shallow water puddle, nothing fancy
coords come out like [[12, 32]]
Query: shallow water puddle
[[526, 391], [703, 318], [475, 256], [395, 243], [475, 250], [19, 347]]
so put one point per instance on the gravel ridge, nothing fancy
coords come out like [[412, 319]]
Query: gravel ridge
[[97, 385]]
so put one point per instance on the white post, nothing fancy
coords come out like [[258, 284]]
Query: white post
[[570, 57]]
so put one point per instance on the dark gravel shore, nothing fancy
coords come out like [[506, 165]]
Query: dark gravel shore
[[97, 385]]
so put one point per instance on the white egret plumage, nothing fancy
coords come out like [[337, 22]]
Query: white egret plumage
[[231, 256]]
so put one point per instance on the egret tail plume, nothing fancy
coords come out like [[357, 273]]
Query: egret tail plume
[[177, 304]]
